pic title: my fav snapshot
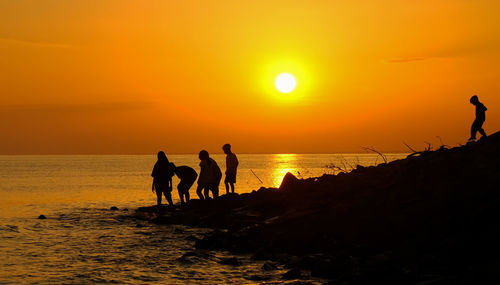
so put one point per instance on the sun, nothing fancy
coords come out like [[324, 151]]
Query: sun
[[285, 82]]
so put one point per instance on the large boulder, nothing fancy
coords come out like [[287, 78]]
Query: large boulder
[[289, 181]]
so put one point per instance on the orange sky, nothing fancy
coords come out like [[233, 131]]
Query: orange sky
[[99, 76]]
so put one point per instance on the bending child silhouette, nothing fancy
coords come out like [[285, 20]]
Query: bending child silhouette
[[231, 167], [162, 174], [188, 176], [209, 178], [480, 118]]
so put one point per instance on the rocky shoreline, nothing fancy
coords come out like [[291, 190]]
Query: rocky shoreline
[[432, 218]]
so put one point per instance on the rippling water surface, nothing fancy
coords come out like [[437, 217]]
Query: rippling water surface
[[82, 241]]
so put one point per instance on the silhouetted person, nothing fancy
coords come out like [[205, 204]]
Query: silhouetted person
[[209, 178], [231, 167], [162, 174], [480, 118], [188, 176]]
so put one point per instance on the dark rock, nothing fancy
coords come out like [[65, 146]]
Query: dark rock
[[268, 266], [360, 168], [192, 238], [289, 181], [262, 254], [258, 277], [431, 214], [42, 217], [290, 261], [187, 260], [214, 240], [125, 210], [230, 261], [327, 269], [114, 208], [294, 273], [198, 256], [205, 243], [139, 225]]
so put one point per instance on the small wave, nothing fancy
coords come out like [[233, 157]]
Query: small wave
[[10, 228], [146, 278]]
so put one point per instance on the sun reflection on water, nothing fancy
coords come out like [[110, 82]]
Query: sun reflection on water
[[282, 164]]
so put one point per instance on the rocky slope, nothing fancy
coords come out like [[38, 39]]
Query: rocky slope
[[432, 218]]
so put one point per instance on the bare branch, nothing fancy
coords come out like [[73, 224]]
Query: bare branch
[[428, 148], [372, 149], [256, 176], [440, 140], [409, 147]]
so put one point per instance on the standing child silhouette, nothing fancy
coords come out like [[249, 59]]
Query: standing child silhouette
[[231, 167]]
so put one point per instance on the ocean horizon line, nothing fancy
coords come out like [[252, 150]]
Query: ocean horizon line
[[216, 153]]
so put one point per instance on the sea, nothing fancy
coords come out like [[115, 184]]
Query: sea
[[83, 241]]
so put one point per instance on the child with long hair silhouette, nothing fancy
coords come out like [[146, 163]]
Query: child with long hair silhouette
[[162, 174]]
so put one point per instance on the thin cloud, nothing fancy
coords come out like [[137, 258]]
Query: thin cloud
[[466, 50], [400, 60], [37, 43], [77, 108]]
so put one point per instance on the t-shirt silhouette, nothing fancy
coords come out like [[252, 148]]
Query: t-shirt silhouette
[[231, 163], [480, 112], [186, 173], [210, 172], [162, 172]]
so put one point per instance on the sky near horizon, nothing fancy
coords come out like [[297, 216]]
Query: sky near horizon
[[106, 77]]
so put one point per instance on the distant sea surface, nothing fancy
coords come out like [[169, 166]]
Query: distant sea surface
[[82, 241]]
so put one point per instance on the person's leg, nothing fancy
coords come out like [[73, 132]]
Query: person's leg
[[198, 191], [215, 190], [158, 198], [207, 189], [181, 196], [188, 186], [230, 180], [180, 190], [482, 132], [480, 128], [227, 186], [473, 130], [168, 196]]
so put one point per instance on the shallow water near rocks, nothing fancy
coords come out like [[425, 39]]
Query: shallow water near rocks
[[99, 245], [83, 241]]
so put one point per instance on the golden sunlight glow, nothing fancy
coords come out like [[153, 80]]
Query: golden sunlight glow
[[283, 163], [304, 74], [357, 66], [285, 83]]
